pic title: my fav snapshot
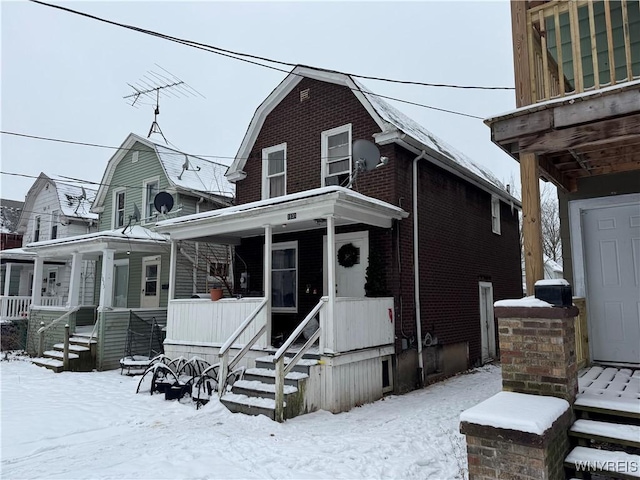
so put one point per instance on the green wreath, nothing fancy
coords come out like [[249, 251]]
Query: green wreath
[[348, 255]]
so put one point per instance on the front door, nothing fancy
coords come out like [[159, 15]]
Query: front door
[[352, 259], [611, 237], [150, 282], [487, 322]]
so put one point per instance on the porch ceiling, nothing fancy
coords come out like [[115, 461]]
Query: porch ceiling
[[578, 136], [290, 213]]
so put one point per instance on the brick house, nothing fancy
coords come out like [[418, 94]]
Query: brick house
[[291, 174]]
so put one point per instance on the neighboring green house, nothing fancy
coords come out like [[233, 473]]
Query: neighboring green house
[[143, 183]]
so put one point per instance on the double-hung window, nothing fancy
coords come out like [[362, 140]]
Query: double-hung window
[[36, 229], [118, 209], [274, 171], [55, 219], [495, 215], [284, 277], [151, 189], [336, 156]]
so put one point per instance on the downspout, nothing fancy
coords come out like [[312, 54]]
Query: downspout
[[416, 266]]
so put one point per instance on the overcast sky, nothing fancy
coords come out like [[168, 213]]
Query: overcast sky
[[64, 76]]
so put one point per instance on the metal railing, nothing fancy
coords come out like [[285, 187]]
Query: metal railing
[[281, 369], [581, 45], [225, 364]]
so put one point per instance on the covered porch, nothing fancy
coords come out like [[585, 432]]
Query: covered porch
[[308, 283]]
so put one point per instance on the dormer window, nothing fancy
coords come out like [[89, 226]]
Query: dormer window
[[336, 156], [274, 171]]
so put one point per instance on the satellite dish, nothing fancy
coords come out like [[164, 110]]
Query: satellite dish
[[163, 202], [366, 155]]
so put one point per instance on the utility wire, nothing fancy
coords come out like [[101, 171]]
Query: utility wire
[[222, 52]]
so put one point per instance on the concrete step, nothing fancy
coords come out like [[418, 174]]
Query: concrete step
[[269, 376], [58, 355], [50, 363], [606, 463], [605, 432], [260, 389], [249, 405]]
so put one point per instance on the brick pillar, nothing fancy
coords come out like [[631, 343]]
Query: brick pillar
[[537, 350]]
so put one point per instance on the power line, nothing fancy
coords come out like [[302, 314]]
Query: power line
[[239, 57]]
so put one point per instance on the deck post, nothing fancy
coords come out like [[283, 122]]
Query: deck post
[[268, 239], [531, 221], [7, 279], [328, 330], [74, 281], [65, 353], [279, 393], [41, 340], [38, 268], [172, 269]]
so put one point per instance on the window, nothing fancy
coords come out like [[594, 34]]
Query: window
[[134, 156], [55, 219], [120, 283], [274, 168], [36, 229], [495, 215], [284, 277], [118, 209], [151, 189], [336, 156]]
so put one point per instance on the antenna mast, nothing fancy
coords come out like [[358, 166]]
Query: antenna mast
[[151, 86]]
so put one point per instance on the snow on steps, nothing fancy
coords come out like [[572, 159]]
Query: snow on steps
[[628, 435], [256, 388], [267, 375], [249, 405], [50, 363], [72, 348], [58, 355], [615, 464]]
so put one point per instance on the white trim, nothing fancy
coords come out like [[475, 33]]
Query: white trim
[[491, 340], [324, 150], [344, 237], [114, 208], [153, 259], [576, 207], [266, 193], [286, 246], [148, 217], [495, 215]]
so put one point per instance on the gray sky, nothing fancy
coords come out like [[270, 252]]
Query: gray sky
[[64, 76]]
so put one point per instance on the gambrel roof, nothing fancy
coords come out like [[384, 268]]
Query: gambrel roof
[[200, 177], [395, 127]]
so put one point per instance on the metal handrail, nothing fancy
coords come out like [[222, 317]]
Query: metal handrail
[[223, 354], [278, 358]]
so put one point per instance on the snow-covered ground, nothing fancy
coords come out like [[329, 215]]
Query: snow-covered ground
[[93, 425]]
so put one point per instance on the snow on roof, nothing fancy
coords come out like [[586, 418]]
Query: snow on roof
[[279, 200], [402, 122], [75, 200], [10, 215], [522, 302], [517, 411], [135, 232], [17, 253], [200, 174]]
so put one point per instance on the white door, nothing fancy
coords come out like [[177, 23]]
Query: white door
[[611, 237], [487, 322], [351, 274], [150, 297]]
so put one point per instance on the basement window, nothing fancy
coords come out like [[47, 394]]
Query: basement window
[[495, 215]]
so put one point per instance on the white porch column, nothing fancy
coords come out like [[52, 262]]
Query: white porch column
[[36, 288], [7, 278], [106, 279], [172, 270], [267, 277], [329, 329], [74, 281]]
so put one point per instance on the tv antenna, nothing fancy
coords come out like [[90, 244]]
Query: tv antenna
[[156, 84]]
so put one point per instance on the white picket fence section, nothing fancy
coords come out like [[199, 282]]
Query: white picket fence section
[[360, 323], [14, 307], [203, 321]]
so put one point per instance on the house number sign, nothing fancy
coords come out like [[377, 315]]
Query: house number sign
[[291, 216]]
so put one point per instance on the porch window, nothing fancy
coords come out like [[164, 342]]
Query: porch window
[[118, 209], [274, 168], [495, 215], [120, 283], [336, 156], [151, 189], [284, 277], [36, 229], [55, 219]]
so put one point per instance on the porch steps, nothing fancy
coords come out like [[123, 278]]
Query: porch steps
[[82, 354], [255, 393], [605, 463], [58, 355], [50, 363]]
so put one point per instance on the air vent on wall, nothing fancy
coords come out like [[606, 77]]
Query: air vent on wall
[[304, 94]]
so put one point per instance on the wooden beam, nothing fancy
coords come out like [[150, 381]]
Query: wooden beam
[[582, 135], [520, 52], [531, 225], [515, 127], [551, 173], [597, 108]]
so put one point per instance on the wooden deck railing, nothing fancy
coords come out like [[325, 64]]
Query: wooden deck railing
[[12, 308], [581, 45]]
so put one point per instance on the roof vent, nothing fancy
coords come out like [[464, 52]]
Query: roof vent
[[304, 94]]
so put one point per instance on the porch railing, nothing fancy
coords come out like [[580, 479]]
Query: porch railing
[[226, 365], [43, 328], [14, 307], [50, 301], [281, 369], [582, 45]]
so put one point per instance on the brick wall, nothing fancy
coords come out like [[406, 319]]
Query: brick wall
[[457, 247]]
